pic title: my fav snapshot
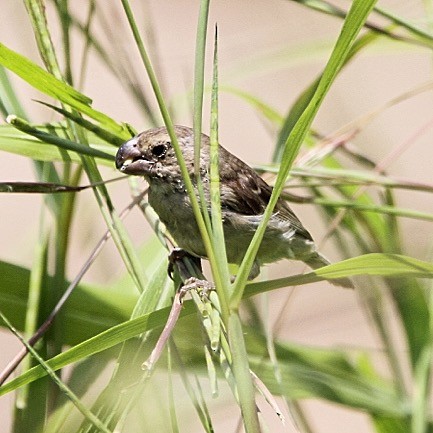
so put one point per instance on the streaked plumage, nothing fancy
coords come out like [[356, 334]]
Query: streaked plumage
[[244, 197]]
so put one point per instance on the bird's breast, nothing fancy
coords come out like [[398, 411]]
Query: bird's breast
[[174, 209]]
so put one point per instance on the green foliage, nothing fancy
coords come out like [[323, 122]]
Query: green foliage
[[114, 322]]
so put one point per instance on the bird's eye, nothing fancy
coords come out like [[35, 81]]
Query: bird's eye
[[159, 150]]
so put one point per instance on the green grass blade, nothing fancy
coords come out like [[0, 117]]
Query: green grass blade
[[336, 385], [410, 299], [371, 264], [63, 387], [306, 96], [420, 400], [306, 372], [83, 378], [83, 305], [374, 264], [89, 126], [384, 424], [62, 143], [410, 27], [199, 64], [51, 86], [328, 8], [351, 27], [103, 341], [241, 370], [379, 209], [88, 311], [29, 407], [259, 105], [38, 19], [221, 273], [170, 129], [17, 142], [112, 406], [9, 98]]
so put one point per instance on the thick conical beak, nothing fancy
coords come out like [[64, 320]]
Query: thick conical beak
[[127, 153], [130, 160]]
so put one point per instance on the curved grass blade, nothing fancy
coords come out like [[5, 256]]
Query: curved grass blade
[[355, 19], [306, 96], [329, 9], [387, 265], [306, 372], [103, 341], [339, 386], [51, 86], [17, 142], [88, 311], [62, 143], [98, 131], [48, 370], [264, 109], [374, 264]]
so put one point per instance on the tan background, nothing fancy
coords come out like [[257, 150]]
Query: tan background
[[266, 47]]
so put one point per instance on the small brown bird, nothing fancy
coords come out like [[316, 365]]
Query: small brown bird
[[244, 197]]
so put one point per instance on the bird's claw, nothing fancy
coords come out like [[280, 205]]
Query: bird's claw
[[194, 283], [176, 256]]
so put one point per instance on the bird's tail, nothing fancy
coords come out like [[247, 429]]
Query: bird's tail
[[316, 261]]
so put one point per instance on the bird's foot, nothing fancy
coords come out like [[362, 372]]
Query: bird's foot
[[193, 283]]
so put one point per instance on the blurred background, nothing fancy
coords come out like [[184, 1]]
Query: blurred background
[[272, 50]]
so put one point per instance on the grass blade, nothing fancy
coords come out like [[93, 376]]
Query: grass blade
[[352, 25], [51, 86]]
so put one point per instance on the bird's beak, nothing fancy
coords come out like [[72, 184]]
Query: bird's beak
[[130, 160]]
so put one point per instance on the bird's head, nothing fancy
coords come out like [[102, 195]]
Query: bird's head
[[151, 154]]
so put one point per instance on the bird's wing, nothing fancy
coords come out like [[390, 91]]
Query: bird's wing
[[255, 192]]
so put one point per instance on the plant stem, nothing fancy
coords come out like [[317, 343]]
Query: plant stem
[[241, 370]]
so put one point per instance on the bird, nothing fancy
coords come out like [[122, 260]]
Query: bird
[[244, 196]]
